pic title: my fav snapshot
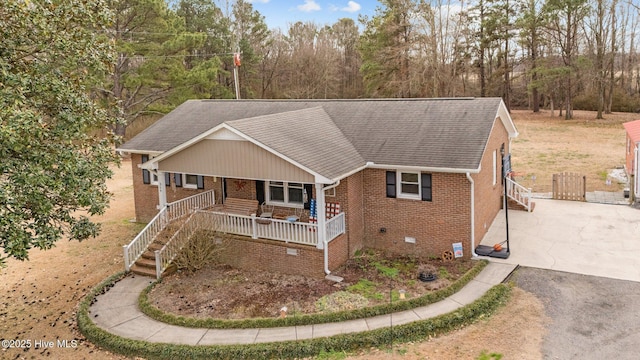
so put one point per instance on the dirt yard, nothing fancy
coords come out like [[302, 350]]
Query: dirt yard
[[40, 296], [369, 279], [548, 145]]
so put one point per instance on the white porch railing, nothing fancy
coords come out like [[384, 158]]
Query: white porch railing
[[185, 206], [169, 213], [518, 193], [273, 229], [335, 226]]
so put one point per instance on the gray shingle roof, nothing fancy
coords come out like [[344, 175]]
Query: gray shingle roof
[[338, 135], [307, 136]]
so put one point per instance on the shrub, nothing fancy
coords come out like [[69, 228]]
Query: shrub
[[202, 249]]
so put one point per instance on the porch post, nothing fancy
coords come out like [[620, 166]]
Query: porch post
[[321, 214], [162, 189]]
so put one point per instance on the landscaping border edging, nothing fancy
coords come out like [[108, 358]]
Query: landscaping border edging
[[415, 331]]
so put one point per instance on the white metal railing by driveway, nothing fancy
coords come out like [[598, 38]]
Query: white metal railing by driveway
[[518, 193], [335, 226], [169, 213]]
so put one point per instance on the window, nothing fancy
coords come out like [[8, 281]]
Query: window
[[495, 167], [408, 185], [190, 181], [283, 193]]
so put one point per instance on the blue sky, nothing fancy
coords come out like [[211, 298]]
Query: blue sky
[[280, 13]]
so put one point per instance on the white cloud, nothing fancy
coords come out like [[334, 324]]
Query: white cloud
[[351, 7], [309, 6], [259, 1]]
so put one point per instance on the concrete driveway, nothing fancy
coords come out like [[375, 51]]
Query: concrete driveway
[[577, 237]]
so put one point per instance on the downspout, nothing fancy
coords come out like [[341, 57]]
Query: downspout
[[332, 185], [473, 218], [326, 257]]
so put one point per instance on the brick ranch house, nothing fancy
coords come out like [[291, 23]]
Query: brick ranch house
[[407, 176]]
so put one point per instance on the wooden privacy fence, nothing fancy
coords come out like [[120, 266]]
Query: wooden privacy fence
[[569, 186]]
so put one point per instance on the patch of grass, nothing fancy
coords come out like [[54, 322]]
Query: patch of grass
[[331, 355], [492, 356], [366, 288], [443, 273], [387, 271], [603, 174]]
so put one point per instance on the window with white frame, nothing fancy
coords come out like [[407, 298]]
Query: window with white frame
[[286, 194], [495, 167], [189, 181], [409, 185]]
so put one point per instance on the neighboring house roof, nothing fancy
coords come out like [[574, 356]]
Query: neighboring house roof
[[337, 136], [633, 129]]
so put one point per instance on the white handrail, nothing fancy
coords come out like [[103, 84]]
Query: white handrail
[[139, 244], [169, 213], [518, 193], [170, 250], [335, 226], [187, 205]]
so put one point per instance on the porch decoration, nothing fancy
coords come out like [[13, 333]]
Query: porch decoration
[[313, 214]]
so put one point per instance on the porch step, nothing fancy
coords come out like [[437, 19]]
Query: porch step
[[144, 271], [514, 205], [146, 263]]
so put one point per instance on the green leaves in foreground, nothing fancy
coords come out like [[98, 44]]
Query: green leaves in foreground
[[53, 163]]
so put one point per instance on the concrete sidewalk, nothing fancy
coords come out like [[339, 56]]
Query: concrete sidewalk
[[117, 312]]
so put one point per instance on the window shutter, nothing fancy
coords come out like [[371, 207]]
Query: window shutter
[[146, 177], [309, 189], [167, 179], [260, 191], [391, 184], [200, 182], [177, 179], [425, 184]]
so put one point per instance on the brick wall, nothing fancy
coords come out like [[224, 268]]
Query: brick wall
[[349, 196], [146, 195], [434, 224], [489, 196], [268, 255], [241, 189]]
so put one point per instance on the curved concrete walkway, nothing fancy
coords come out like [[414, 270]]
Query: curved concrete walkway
[[117, 312]]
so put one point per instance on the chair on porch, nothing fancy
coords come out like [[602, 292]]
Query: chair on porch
[[266, 211]]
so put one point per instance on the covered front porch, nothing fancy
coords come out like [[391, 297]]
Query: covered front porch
[[257, 193]]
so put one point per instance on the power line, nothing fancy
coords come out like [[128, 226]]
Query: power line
[[173, 56]]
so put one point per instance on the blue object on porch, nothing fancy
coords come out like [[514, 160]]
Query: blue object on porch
[[312, 209]]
